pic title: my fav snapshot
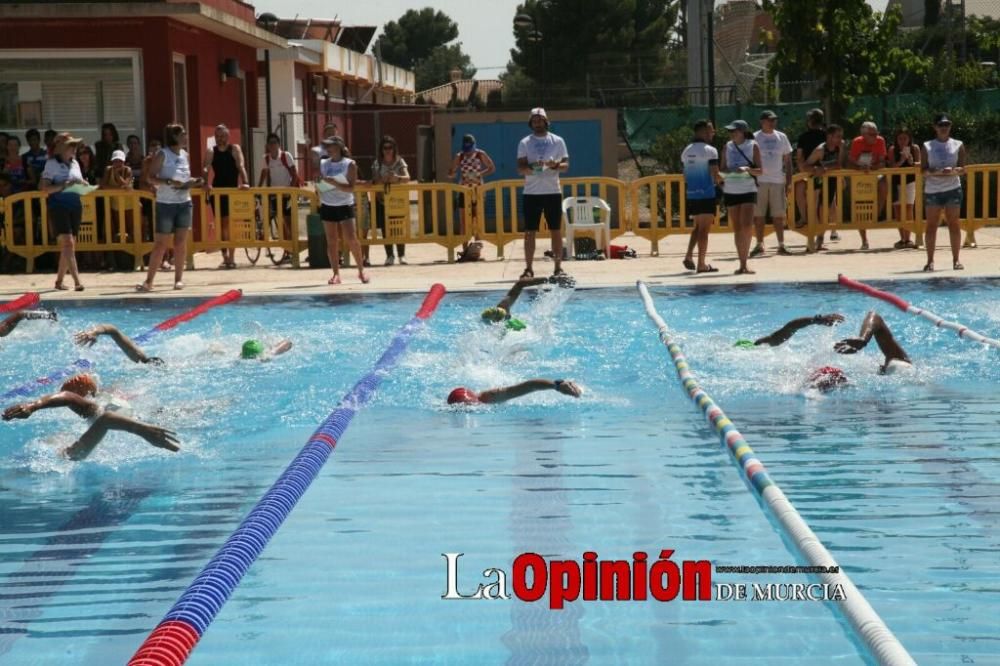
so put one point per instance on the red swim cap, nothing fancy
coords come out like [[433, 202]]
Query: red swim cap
[[82, 385], [463, 396], [827, 378]]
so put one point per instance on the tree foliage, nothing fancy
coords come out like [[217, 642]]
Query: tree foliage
[[600, 42], [849, 48], [435, 69]]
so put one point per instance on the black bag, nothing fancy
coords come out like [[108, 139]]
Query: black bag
[[585, 248]]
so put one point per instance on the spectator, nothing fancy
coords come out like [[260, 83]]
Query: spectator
[[903, 154], [943, 171], [50, 141], [318, 153], [740, 164], [228, 169], [170, 173], [17, 221], [389, 169], [61, 172], [701, 175], [14, 167], [773, 182], [340, 172], [110, 142], [804, 147], [827, 156], [134, 159], [88, 164], [35, 158], [472, 166], [279, 171], [540, 157], [118, 177], [868, 154]]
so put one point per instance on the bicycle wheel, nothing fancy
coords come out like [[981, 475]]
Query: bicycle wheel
[[253, 253], [277, 257]]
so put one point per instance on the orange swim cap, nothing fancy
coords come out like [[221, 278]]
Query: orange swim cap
[[463, 396], [82, 385]]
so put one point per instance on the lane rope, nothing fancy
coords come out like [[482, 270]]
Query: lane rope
[[963, 331], [21, 302], [172, 641], [28, 388], [868, 627]]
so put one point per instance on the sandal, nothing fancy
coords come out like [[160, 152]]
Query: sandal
[[78, 287], [178, 285], [745, 271], [528, 273], [689, 264], [334, 280], [710, 269], [958, 267], [364, 278], [559, 272], [899, 245], [929, 267], [61, 287], [144, 287]]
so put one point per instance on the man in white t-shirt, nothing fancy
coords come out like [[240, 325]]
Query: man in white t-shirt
[[541, 156], [318, 152], [774, 181], [279, 171]]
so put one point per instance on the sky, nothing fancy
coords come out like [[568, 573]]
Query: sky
[[485, 27]]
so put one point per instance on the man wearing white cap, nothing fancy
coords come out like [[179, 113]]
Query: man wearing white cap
[[540, 157]]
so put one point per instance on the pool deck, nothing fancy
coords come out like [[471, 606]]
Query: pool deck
[[428, 265]]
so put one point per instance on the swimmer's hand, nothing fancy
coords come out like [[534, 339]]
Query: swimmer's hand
[[563, 280], [568, 388], [157, 436], [21, 411], [828, 319], [88, 338], [849, 345]]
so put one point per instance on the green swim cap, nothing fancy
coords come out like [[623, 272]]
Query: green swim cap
[[515, 325], [252, 349], [745, 344]]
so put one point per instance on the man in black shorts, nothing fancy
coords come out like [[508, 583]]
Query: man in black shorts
[[541, 156]]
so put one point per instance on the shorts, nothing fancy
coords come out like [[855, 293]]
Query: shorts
[[700, 207], [458, 199], [739, 199], [911, 193], [336, 213], [949, 199], [831, 189], [286, 204], [65, 220], [771, 198], [537, 204], [223, 210], [171, 217]]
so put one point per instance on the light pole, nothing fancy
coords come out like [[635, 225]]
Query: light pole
[[269, 22], [533, 35]]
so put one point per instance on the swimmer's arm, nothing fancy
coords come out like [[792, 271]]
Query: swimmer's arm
[[506, 393], [158, 437], [277, 350], [124, 342], [874, 326], [10, 323], [515, 292], [80, 405], [783, 334]]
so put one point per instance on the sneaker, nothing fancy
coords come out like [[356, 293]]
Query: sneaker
[[782, 250], [390, 260], [178, 285], [402, 261], [834, 235], [757, 251]]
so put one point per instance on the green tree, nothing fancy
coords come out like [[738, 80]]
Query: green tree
[[574, 43], [847, 46], [435, 69], [410, 39]]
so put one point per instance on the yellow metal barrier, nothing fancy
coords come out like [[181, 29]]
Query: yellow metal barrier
[[414, 213], [982, 199], [112, 220], [230, 218]]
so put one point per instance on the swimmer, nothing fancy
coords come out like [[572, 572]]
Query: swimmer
[[874, 326], [254, 349], [73, 394], [500, 313], [494, 396], [8, 325], [783, 334]]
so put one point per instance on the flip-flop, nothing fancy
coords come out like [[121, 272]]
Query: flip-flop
[[690, 265], [364, 278], [528, 273], [143, 288], [710, 269], [958, 267], [334, 280], [78, 287], [61, 287], [929, 268]]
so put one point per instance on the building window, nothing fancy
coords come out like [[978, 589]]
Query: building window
[[180, 90]]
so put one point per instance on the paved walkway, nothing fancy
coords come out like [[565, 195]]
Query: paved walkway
[[428, 265]]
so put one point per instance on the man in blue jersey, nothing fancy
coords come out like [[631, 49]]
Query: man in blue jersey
[[701, 175]]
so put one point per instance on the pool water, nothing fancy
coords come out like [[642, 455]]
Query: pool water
[[896, 475]]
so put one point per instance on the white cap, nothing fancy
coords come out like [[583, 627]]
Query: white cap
[[538, 111], [118, 155]]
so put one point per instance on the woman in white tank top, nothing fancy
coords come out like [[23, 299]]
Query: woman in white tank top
[[944, 166], [338, 175]]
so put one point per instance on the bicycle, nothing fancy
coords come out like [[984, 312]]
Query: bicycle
[[253, 253]]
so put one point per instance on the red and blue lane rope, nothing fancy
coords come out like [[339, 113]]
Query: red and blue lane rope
[[21, 302], [28, 388], [183, 626], [963, 331], [869, 628]]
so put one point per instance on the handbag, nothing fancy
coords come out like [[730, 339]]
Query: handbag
[[748, 161]]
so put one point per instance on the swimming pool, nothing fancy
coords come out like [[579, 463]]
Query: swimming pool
[[894, 474]]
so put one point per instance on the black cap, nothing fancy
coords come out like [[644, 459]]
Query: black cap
[[942, 119], [741, 125], [768, 115], [815, 114]]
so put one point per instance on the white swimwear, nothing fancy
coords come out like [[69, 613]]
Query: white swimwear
[[896, 365], [114, 404]]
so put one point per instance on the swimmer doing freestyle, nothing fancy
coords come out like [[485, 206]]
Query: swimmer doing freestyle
[[830, 377], [500, 313], [103, 418], [252, 349]]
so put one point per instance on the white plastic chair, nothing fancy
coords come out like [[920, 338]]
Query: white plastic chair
[[579, 214]]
